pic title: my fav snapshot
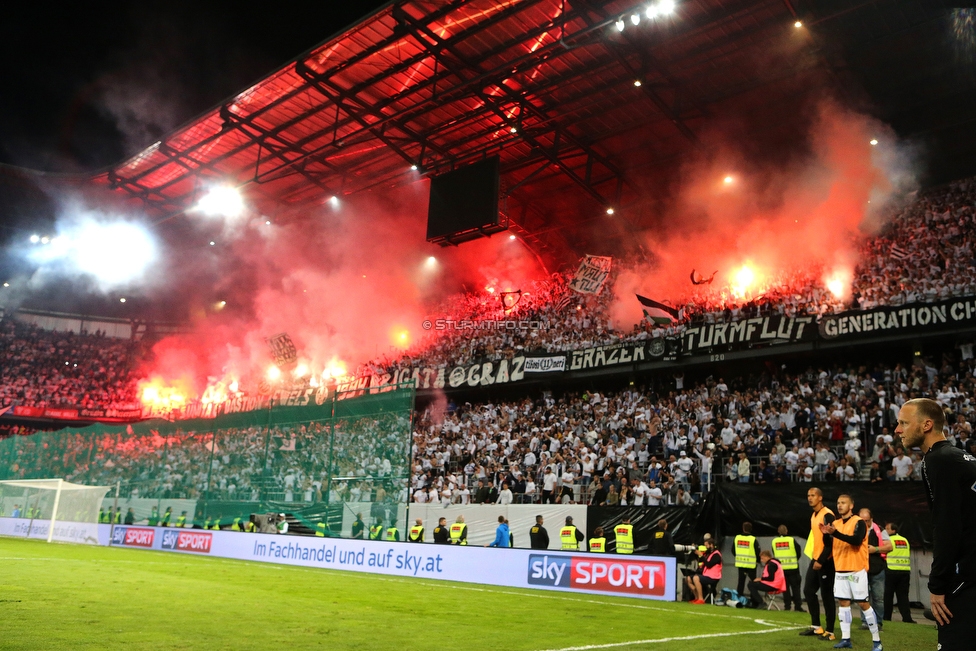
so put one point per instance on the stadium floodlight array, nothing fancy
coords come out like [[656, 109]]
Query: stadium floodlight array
[[53, 501]]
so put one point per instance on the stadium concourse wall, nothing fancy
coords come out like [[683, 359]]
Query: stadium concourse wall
[[640, 577]]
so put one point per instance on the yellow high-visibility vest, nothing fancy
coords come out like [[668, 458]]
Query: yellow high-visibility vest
[[624, 536], [568, 537], [417, 533], [598, 545], [900, 556], [457, 529], [784, 551], [745, 552]]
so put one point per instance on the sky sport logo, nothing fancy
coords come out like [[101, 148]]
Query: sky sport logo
[[643, 577], [133, 537], [187, 541]]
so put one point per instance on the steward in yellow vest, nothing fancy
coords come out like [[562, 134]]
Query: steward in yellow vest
[[899, 576], [624, 536], [320, 530], [787, 551], [376, 531], [570, 536], [392, 533], [746, 556], [237, 525], [784, 550], [180, 521], [459, 532], [598, 544], [416, 534]]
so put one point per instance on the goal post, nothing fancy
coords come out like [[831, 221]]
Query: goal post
[[56, 502]]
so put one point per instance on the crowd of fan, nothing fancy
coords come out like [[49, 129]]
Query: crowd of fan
[[657, 445], [248, 463], [50, 369], [925, 253]]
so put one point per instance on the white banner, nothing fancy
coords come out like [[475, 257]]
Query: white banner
[[482, 520], [591, 275], [545, 364], [74, 532], [644, 577]]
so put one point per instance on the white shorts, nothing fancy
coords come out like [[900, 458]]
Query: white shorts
[[852, 586]]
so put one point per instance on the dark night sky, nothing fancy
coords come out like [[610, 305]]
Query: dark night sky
[[87, 84]]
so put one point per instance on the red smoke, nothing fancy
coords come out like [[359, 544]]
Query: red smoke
[[731, 216], [348, 283]]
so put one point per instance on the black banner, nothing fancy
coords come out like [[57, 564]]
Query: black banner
[[487, 373], [728, 505], [601, 356], [681, 523], [893, 319], [759, 330]]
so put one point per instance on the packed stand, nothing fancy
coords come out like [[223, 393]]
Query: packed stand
[[925, 253], [658, 445], [287, 464], [50, 369]]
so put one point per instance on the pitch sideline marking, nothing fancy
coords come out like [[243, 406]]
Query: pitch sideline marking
[[662, 640]]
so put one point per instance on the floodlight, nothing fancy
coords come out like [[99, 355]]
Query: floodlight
[[666, 7], [609, 211], [635, 19], [874, 141], [798, 24], [221, 200], [34, 239], [620, 25]]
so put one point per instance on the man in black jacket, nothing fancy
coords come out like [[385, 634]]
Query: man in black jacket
[[538, 536], [442, 533], [662, 544], [950, 480]]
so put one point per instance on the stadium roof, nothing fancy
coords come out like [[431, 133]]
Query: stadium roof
[[549, 85]]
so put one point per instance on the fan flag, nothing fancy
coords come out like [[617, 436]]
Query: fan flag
[[658, 313], [899, 253]]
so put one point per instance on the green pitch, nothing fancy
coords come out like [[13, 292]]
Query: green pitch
[[78, 597]]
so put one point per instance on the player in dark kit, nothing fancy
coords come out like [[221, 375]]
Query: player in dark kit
[[950, 480]]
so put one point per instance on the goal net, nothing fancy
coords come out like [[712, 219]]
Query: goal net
[[53, 509]]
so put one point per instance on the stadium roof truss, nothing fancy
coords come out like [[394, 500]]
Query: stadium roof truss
[[548, 85]]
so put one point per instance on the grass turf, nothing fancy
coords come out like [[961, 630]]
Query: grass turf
[[63, 596]]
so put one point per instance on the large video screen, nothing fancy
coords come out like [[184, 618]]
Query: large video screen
[[464, 202]]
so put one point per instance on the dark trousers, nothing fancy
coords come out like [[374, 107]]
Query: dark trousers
[[793, 593], [822, 580], [896, 584], [959, 633], [745, 573]]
